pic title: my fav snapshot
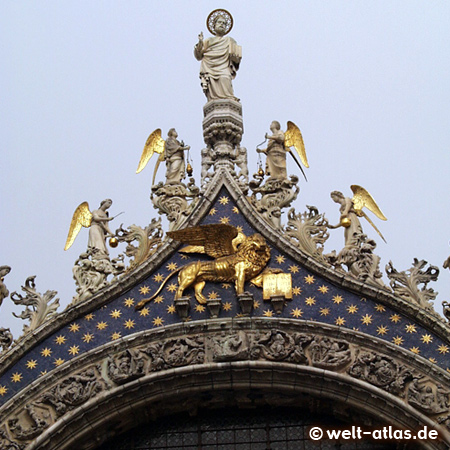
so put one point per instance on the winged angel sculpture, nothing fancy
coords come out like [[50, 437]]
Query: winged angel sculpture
[[237, 258], [279, 144], [171, 151], [351, 209], [97, 222]]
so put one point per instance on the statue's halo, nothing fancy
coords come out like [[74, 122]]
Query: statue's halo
[[213, 16]]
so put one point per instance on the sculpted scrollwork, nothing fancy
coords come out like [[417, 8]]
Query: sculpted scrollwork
[[359, 259], [172, 200], [7, 444], [127, 366], [74, 391], [90, 273], [148, 240], [381, 371], [30, 423], [176, 353], [230, 347], [274, 196], [405, 284], [428, 397], [329, 353], [308, 230], [38, 307], [275, 345]]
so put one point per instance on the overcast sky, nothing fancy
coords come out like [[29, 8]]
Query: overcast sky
[[83, 83]]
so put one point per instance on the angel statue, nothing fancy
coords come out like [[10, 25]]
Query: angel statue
[[171, 151], [220, 57], [279, 144], [351, 210], [97, 222]]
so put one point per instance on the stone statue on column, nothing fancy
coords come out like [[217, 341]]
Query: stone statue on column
[[220, 57]]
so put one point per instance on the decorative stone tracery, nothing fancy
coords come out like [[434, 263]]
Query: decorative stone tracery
[[258, 342]]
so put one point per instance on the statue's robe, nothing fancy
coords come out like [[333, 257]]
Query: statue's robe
[[276, 158], [220, 58], [175, 165]]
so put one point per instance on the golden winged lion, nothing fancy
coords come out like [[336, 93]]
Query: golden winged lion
[[237, 258]]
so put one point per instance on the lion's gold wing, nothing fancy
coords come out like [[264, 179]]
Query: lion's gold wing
[[82, 217], [154, 144], [215, 239], [293, 138], [362, 198]]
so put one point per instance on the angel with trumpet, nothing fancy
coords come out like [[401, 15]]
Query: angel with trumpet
[[97, 222], [351, 210], [279, 144]]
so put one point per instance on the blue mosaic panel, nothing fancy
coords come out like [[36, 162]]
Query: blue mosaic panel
[[314, 299]]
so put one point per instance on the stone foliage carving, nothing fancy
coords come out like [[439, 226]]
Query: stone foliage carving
[[274, 195], [359, 259], [381, 371], [308, 230], [148, 240], [172, 200], [39, 307], [90, 273], [74, 391], [405, 284]]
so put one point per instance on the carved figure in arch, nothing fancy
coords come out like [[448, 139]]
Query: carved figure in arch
[[423, 397], [127, 366], [230, 347], [4, 270], [326, 352], [238, 258], [220, 57]]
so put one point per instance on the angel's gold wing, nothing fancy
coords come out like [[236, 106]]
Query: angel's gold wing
[[155, 144], [215, 239], [293, 138], [362, 198], [82, 217]]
